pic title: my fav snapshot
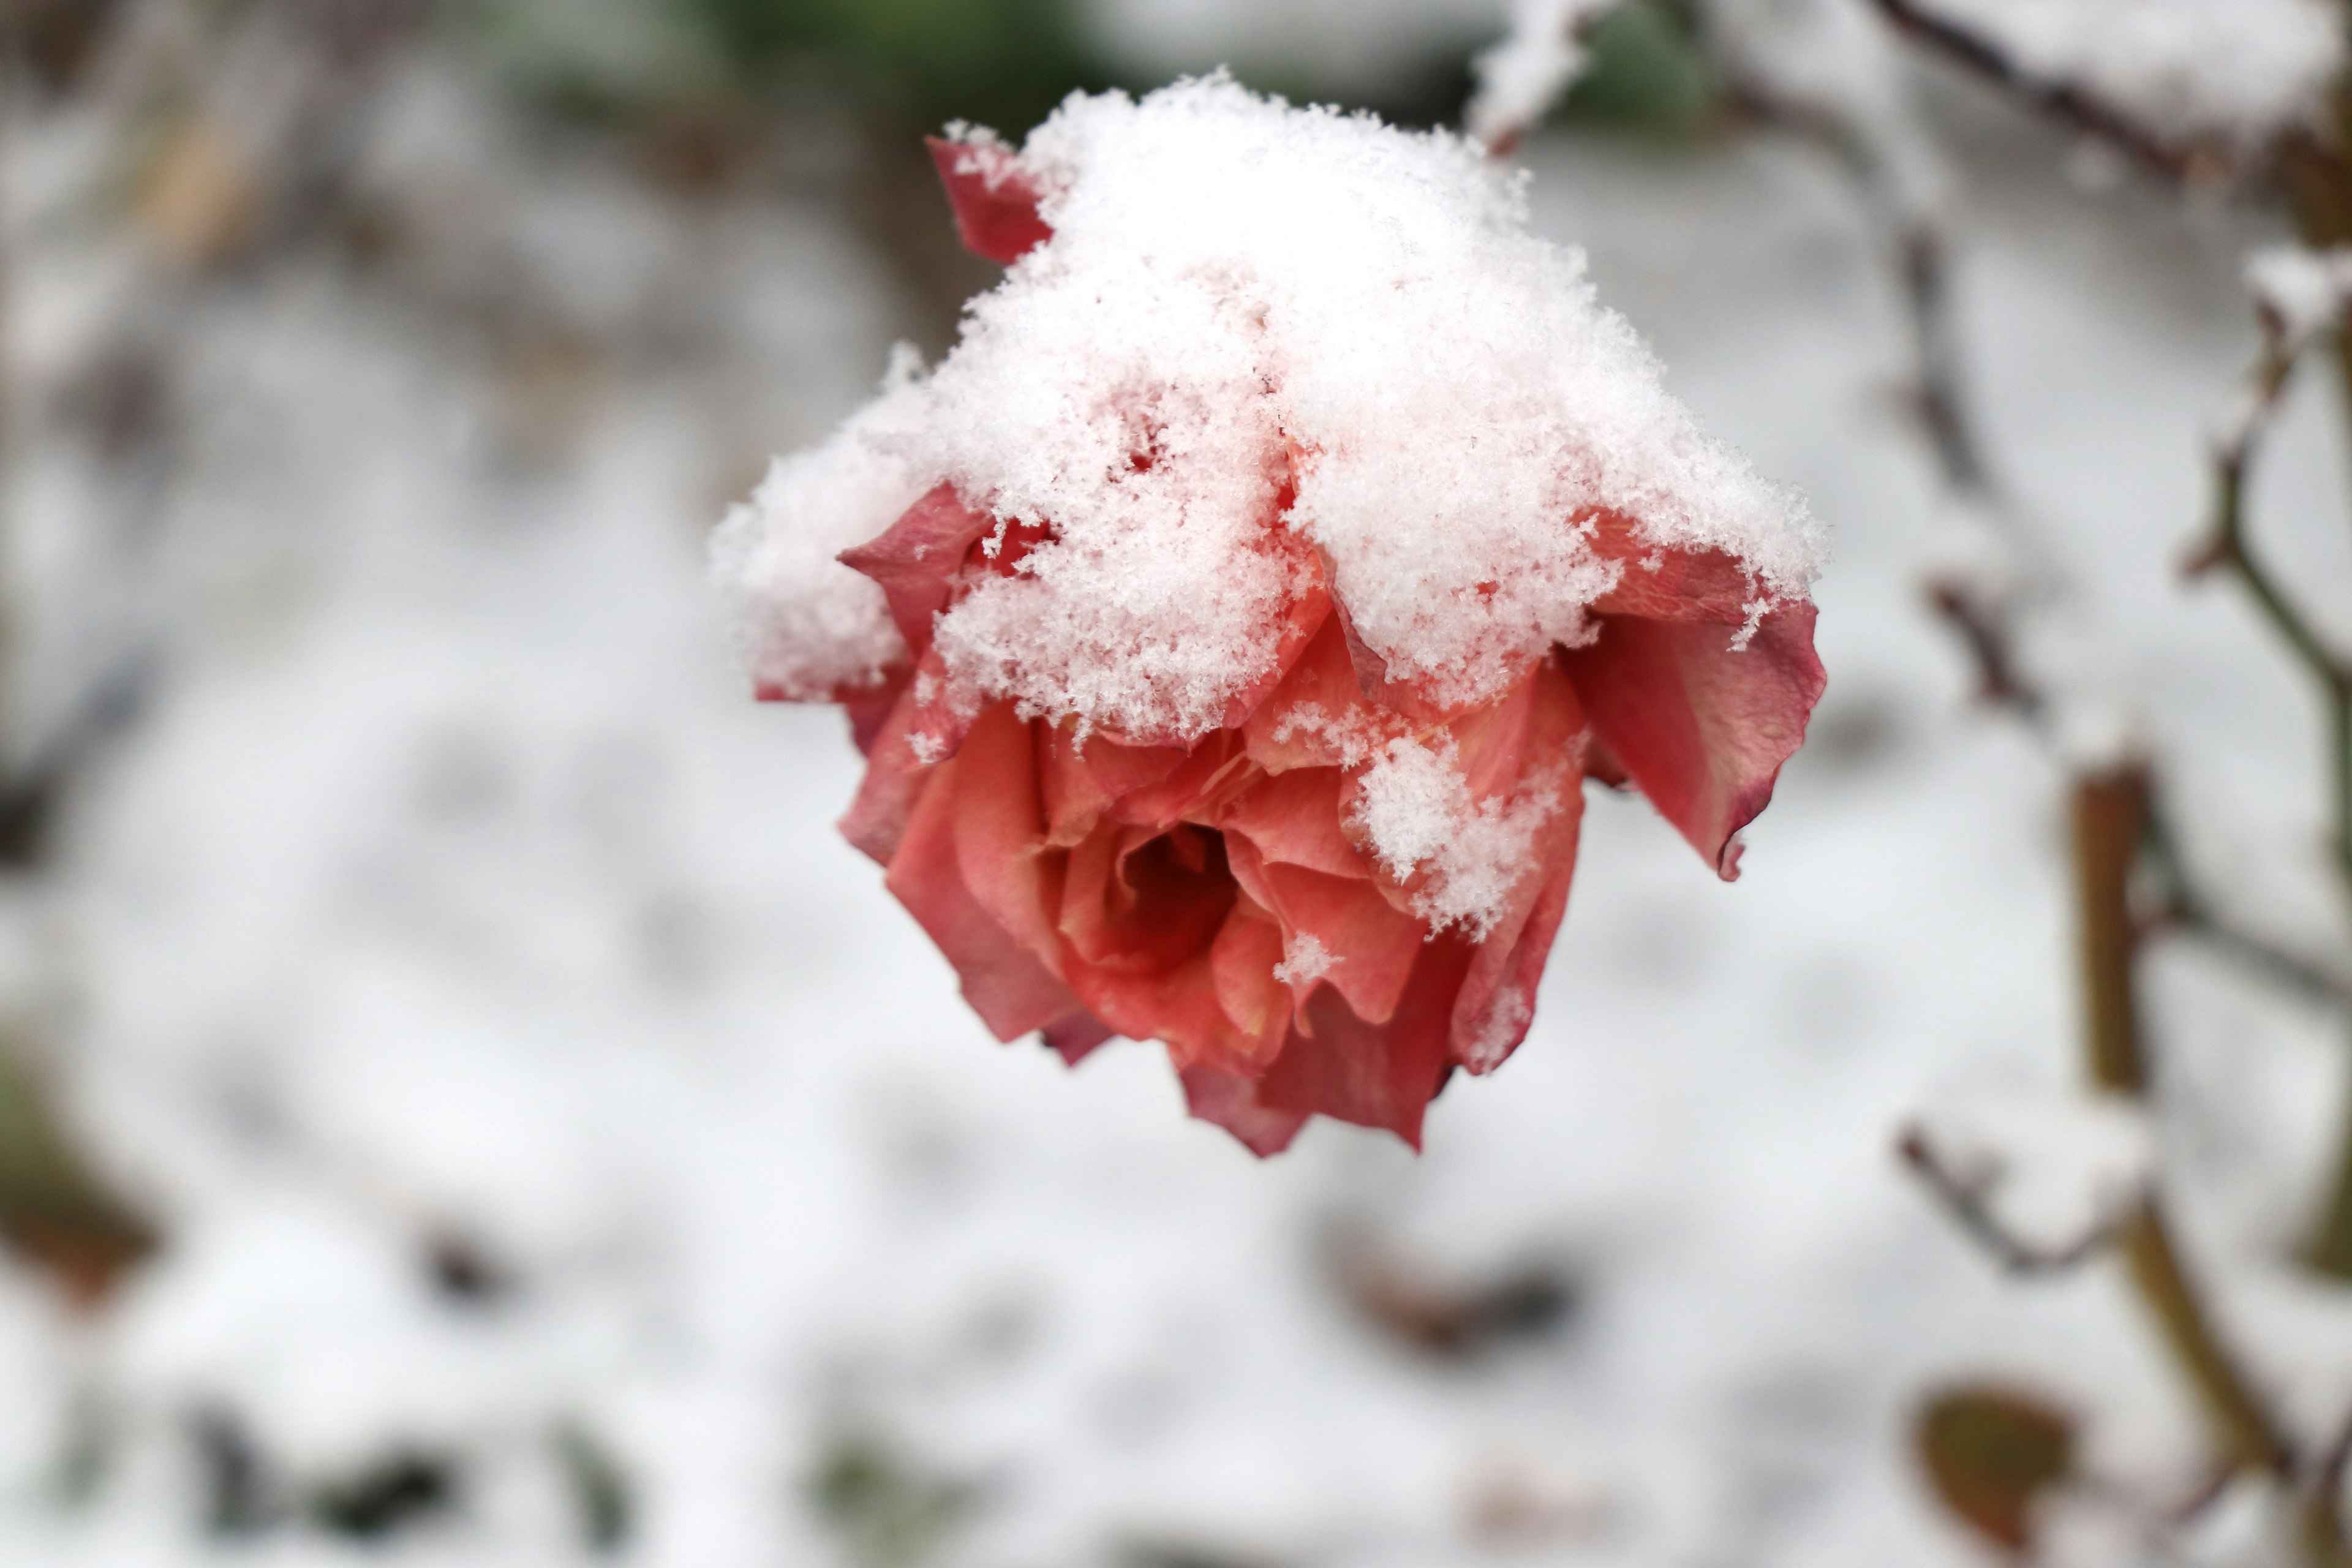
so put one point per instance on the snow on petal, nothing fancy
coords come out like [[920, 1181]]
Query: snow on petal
[[805, 624]]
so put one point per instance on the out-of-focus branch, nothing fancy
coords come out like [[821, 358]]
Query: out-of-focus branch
[[2084, 111], [1985, 621], [2229, 547], [2108, 823], [2326, 1542], [1520, 78], [1967, 1202]]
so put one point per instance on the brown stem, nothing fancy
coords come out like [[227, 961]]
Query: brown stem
[[2109, 818]]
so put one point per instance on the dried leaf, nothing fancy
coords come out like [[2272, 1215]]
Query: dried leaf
[[1990, 1452]]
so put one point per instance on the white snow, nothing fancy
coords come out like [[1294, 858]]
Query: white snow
[[1539, 59], [2305, 291], [1240, 296], [1417, 810], [807, 626], [2231, 71]]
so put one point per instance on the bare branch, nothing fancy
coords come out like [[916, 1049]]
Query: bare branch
[[1967, 1201], [2067, 101]]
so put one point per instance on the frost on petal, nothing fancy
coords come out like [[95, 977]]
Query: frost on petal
[[807, 627], [1470, 855], [1305, 961]]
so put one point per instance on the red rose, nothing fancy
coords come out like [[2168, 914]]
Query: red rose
[[1332, 879]]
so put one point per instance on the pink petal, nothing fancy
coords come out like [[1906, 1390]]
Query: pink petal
[[1178, 1007], [1374, 1075], [1214, 772], [1662, 585], [896, 774], [1081, 783], [915, 560], [1000, 833], [1075, 1034], [1375, 944], [1298, 724], [1293, 818], [1701, 727], [1013, 993], [1230, 1101], [995, 200], [1241, 964], [1496, 1003]]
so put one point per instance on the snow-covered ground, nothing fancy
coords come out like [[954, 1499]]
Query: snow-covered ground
[[529, 1082]]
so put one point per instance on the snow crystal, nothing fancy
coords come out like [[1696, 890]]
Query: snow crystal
[[1246, 308], [807, 626], [1305, 961], [2235, 71], [1416, 808], [2305, 291], [1522, 76]]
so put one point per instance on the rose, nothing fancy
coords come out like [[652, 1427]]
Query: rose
[[1324, 869]]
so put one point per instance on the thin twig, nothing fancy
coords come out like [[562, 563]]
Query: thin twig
[[2324, 1539], [2084, 111], [1966, 1202], [2229, 547]]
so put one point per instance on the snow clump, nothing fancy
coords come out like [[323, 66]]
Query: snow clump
[[1262, 343]]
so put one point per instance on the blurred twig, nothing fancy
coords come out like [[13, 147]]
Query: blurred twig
[[1966, 1202], [2084, 111]]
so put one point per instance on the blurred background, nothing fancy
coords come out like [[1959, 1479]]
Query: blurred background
[[460, 1102]]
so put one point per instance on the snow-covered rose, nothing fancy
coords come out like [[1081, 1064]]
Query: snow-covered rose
[[1231, 621]]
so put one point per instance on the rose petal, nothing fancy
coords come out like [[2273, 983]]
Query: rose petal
[[1230, 1101], [898, 771], [1214, 772], [1701, 727], [916, 559], [1664, 584], [1081, 783], [1293, 818], [1013, 993], [1178, 1007], [870, 707], [1374, 1075], [1000, 833], [1375, 945], [1496, 1003], [1241, 963], [1074, 1036], [1318, 717], [995, 200]]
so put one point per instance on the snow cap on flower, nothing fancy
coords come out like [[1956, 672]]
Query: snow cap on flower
[[1229, 282]]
